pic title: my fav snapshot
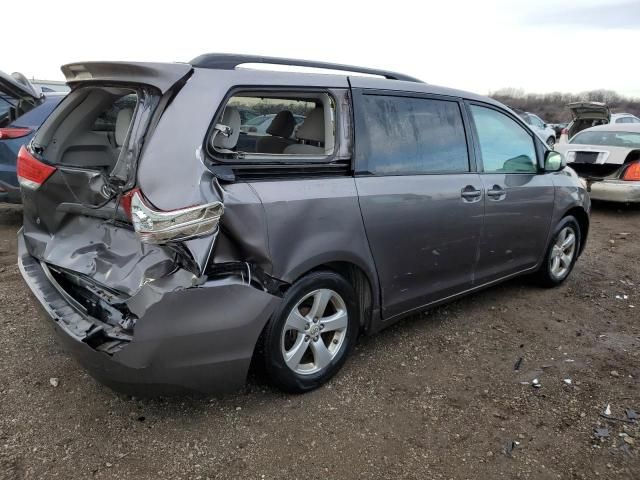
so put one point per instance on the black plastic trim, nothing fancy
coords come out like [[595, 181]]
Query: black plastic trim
[[229, 61]]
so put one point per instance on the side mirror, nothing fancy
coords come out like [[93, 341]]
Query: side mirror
[[554, 161]]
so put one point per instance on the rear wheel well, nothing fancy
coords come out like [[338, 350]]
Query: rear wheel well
[[583, 222], [360, 282]]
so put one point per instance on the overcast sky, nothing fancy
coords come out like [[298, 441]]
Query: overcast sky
[[537, 45]]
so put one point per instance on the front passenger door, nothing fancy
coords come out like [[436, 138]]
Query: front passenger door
[[518, 196]]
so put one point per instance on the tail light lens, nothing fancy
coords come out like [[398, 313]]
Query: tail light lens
[[32, 173], [14, 132], [158, 226], [632, 172]]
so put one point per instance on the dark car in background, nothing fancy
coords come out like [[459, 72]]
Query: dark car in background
[[23, 108], [558, 128]]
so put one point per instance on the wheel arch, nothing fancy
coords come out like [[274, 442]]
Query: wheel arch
[[360, 281], [583, 222]]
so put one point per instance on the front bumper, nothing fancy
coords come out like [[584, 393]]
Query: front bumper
[[616, 191], [197, 339]]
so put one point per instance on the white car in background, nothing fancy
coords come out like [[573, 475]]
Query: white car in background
[[624, 118], [540, 127], [607, 158]]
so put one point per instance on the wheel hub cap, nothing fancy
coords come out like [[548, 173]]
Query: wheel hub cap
[[562, 253], [314, 331]]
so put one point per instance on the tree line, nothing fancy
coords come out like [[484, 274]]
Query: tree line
[[552, 107]]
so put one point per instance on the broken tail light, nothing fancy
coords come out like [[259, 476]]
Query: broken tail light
[[632, 172], [158, 226], [32, 173], [14, 132]]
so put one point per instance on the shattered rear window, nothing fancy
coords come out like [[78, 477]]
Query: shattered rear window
[[106, 121]]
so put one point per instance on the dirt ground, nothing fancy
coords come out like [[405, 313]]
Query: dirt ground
[[434, 397]]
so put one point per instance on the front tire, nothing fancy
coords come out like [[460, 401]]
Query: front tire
[[562, 253], [311, 334]]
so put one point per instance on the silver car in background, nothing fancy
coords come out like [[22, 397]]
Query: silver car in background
[[623, 118], [607, 158]]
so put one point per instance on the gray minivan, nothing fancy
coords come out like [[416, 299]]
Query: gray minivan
[[167, 257]]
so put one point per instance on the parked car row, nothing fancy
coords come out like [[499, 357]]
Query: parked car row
[[607, 158], [584, 115]]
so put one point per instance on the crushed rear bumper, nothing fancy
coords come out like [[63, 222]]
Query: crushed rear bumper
[[195, 339]]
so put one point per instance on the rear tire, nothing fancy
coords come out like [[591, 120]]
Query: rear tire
[[311, 334], [562, 253]]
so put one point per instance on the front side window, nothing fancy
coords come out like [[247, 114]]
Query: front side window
[[409, 136], [504, 145]]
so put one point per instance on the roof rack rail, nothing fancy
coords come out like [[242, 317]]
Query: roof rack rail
[[229, 61]]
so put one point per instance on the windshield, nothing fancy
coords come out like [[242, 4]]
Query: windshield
[[603, 137]]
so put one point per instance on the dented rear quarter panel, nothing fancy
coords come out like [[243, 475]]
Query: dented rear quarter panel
[[312, 222], [287, 226]]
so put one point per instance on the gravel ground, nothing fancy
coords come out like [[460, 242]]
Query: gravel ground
[[436, 396]]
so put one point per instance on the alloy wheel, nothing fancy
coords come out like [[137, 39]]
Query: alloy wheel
[[314, 332], [562, 253]]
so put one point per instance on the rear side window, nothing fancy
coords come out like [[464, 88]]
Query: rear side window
[[536, 122], [259, 126], [505, 146], [409, 136], [6, 106], [627, 120]]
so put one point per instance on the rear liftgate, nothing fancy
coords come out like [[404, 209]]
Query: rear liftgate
[[106, 249]]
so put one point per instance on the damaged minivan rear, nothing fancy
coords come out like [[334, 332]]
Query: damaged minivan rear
[[106, 263]]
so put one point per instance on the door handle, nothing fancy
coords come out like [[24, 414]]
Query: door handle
[[496, 192], [471, 194]]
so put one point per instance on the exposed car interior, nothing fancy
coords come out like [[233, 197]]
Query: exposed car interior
[[286, 124], [91, 129], [583, 123]]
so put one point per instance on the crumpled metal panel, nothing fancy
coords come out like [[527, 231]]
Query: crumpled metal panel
[[108, 254]]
